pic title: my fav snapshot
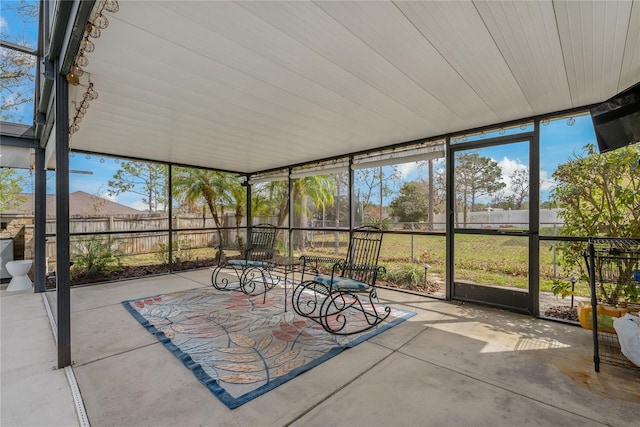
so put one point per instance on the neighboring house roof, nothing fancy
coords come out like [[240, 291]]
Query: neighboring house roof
[[80, 204]]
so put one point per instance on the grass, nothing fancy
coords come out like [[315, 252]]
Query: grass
[[155, 258], [481, 259]]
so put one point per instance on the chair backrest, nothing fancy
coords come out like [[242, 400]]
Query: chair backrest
[[262, 240], [362, 257]]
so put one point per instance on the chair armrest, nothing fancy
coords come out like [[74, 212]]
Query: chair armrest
[[229, 248], [311, 262], [221, 251]]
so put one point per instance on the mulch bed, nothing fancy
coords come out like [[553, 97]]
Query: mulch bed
[[132, 272], [563, 312]]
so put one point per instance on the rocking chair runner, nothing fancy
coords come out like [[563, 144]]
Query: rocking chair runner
[[350, 287], [253, 270]]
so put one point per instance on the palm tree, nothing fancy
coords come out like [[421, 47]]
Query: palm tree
[[235, 198], [196, 184], [318, 189]]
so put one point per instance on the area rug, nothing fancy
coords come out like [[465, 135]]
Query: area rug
[[238, 346]]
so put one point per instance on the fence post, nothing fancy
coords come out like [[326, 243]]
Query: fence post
[[555, 267], [412, 229]]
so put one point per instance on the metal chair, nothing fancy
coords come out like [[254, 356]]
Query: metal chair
[[350, 287], [252, 270]]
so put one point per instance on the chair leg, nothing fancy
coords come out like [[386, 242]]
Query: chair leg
[[364, 315], [338, 312], [254, 278], [307, 298], [221, 281]]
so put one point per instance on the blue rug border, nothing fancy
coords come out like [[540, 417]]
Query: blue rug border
[[213, 385]]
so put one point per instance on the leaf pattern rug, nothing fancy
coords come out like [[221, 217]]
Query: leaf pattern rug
[[238, 346]]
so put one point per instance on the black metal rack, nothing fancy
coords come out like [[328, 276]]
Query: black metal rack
[[613, 266]]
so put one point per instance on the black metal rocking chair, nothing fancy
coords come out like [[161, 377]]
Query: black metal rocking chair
[[350, 287], [252, 271]]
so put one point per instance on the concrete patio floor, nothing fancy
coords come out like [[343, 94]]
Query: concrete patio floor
[[450, 365]]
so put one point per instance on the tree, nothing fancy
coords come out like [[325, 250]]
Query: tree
[[17, 69], [598, 195], [309, 194], [517, 195], [519, 187], [271, 198], [373, 181], [203, 184], [437, 187], [476, 176], [235, 199], [412, 204], [11, 184], [319, 190], [147, 179]]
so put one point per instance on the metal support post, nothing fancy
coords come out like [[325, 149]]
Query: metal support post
[[63, 257]]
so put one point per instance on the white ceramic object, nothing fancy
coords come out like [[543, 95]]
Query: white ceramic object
[[18, 270]]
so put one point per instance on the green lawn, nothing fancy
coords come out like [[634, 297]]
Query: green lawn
[[496, 260], [488, 260]]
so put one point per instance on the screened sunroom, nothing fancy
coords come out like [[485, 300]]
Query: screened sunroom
[[467, 132]]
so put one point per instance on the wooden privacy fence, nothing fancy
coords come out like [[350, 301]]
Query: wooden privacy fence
[[144, 242], [146, 222], [146, 239]]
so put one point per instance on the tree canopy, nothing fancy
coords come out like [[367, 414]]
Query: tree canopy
[[598, 194], [475, 176], [17, 69], [412, 204], [11, 184], [144, 178], [220, 192]]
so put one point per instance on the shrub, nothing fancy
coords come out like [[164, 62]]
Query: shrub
[[562, 288], [182, 250], [405, 275], [95, 256]]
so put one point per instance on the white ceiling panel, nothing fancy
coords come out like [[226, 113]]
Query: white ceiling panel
[[593, 36], [261, 51], [251, 86], [323, 37], [631, 59], [527, 37], [457, 31], [382, 26]]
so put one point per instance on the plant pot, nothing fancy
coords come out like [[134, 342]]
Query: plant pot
[[605, 314]]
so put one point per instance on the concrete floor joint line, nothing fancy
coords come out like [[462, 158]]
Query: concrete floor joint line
[[116, 354], [502, 387], [341, 387], [77, 398], [81, 413], [52, 320]]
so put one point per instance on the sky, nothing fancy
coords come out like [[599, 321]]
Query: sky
[[560, 140], [16, 30], [559, 143], [91, 173]]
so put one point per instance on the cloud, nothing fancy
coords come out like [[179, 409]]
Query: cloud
[[546, 182], [139, 205], [508, 167], [110, 197], [407, 168], [3, 23]]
